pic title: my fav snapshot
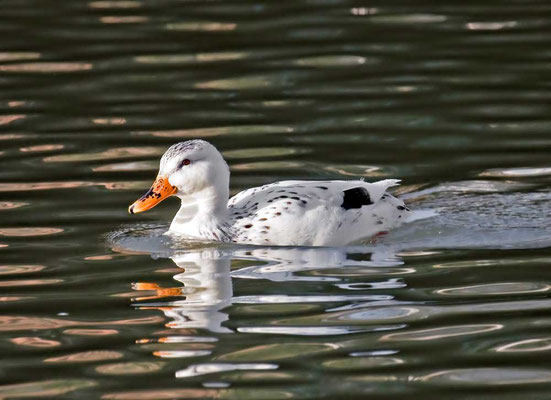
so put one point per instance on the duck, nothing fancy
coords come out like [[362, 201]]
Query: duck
[[284, 213]]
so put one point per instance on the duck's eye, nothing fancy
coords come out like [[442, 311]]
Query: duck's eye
[[185, 162]]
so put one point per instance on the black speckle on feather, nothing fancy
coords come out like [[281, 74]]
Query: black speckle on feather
[[322, 187], [355, 198]]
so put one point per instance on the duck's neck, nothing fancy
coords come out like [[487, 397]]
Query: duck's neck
[[204, 215]]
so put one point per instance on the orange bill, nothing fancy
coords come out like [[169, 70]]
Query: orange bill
[[160, 190]]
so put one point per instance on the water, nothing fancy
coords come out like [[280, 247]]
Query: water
[[452, 98]]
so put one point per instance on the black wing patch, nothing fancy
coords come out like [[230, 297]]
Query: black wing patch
[[355, 198]]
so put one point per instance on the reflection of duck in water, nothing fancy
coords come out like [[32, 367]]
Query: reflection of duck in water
[[207, 285], [312, 213], [207, 289], [281, 264]]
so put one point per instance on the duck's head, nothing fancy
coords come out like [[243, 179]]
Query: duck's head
[[188, 168]]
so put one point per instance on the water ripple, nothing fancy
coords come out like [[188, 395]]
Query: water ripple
[[487, 376], [23, 232], [527, 345], [86, 356], [212, 368], [440, 333], [130, 368], [506, 288], [45, 388], [46, 67]]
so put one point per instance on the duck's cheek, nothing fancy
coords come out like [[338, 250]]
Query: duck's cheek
[[182, 182], [175, 180], [160, 190], [190, 182]]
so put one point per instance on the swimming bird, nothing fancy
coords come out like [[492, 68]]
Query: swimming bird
[[286, 213]]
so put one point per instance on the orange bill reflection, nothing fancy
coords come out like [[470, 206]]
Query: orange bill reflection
[[156, 291]]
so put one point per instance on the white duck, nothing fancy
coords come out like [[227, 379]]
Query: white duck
[[287, 213]]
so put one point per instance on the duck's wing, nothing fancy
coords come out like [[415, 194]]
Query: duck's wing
[[348, 194], [314, 212]]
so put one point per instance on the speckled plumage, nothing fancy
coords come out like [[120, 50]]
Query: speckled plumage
[[313, 213], [296, 213]]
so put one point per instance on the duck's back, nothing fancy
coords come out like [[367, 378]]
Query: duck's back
[[315, 213]]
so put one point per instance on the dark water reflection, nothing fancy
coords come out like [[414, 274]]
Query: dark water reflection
[[452, 98]]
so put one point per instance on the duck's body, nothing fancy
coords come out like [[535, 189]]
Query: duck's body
[[303, 213]]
